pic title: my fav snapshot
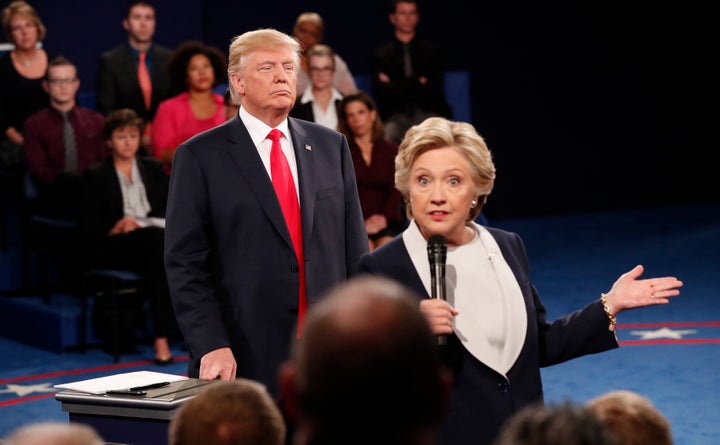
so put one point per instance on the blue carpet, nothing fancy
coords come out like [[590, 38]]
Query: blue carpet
[[573, 258], [28, 374]]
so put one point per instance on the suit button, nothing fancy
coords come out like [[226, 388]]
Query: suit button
[[294, 268], [503, 387]]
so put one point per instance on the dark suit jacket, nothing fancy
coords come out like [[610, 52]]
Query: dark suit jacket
[[231, 267], [103, 203], [406, 94], [117, 83], [304, 111], [483, 399]]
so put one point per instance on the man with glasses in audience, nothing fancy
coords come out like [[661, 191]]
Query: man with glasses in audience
[[61, 141]]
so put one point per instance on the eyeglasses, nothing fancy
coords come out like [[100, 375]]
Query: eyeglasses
[[321, 69], [61, 81]]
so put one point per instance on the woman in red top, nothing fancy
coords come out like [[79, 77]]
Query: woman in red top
[[374, 160], [194, 70]]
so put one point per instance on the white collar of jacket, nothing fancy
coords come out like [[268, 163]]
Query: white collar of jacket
[[485, 279]]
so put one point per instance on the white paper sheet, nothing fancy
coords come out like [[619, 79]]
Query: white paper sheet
[[120, 381]]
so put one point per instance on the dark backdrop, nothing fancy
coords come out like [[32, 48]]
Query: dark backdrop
[[585, 106]]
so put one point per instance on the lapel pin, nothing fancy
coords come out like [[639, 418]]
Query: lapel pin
[[308, 148]]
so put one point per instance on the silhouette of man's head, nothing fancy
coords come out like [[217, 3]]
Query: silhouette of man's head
[[366, 368]]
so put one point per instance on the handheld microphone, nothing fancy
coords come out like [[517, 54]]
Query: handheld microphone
[[437, 254]]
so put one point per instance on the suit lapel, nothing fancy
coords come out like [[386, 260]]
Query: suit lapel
[[129, 67], [305, 158], [149, 183], [243, 152], [155, 73], [116, 200]]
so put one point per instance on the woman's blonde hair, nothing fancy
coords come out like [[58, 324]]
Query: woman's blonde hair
[[23, 9], [438, 132]]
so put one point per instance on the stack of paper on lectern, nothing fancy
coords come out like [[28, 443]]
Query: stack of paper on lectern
[[115, 382]]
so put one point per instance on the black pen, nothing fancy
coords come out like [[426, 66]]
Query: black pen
[[151, 386], [137, 390], [124, 392]]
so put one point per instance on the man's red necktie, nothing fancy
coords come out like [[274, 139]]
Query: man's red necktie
[[284, 185], [145, 81]]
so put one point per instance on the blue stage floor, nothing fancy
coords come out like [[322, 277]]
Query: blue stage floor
[[670, 354]]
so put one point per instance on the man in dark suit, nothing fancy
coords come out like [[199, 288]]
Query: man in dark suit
[[235, 279], [117, 84], [408, 73]]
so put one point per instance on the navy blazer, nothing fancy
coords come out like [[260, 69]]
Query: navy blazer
[[483, 399], [230, 262], [117, 83]]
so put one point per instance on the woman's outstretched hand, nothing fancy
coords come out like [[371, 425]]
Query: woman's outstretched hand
[[630, 292]]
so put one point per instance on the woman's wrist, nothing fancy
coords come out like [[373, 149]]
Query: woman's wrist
[[611, 318]]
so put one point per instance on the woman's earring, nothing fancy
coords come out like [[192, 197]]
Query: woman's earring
[[473, 203]]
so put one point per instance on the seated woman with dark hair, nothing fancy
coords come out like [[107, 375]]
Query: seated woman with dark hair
[[374, 160], [123, 218], [194, 69]]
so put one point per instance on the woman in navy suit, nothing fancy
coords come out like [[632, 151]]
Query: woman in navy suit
[[123, 218], [495, 325]]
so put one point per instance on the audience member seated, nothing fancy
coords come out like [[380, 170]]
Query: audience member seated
[[632, 418], [61, 141], [408, 74], [230, 106], [54, 433], [560, 424], [194, 70], [230, 412], [123, 218], [308, 30], [133, 75], [21, 75], [320, 101], [366, 370], [374, 160]]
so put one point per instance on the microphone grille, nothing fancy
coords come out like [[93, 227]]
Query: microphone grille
[[437, 249], [437, 240]]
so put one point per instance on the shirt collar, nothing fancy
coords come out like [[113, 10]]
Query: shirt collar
[[308, 95], [258, 129], [57, 112], [136, 53]]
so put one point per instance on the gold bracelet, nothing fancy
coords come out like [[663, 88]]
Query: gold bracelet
[[611, 317]]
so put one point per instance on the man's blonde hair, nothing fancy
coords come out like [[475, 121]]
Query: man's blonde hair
[[260, 39]]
